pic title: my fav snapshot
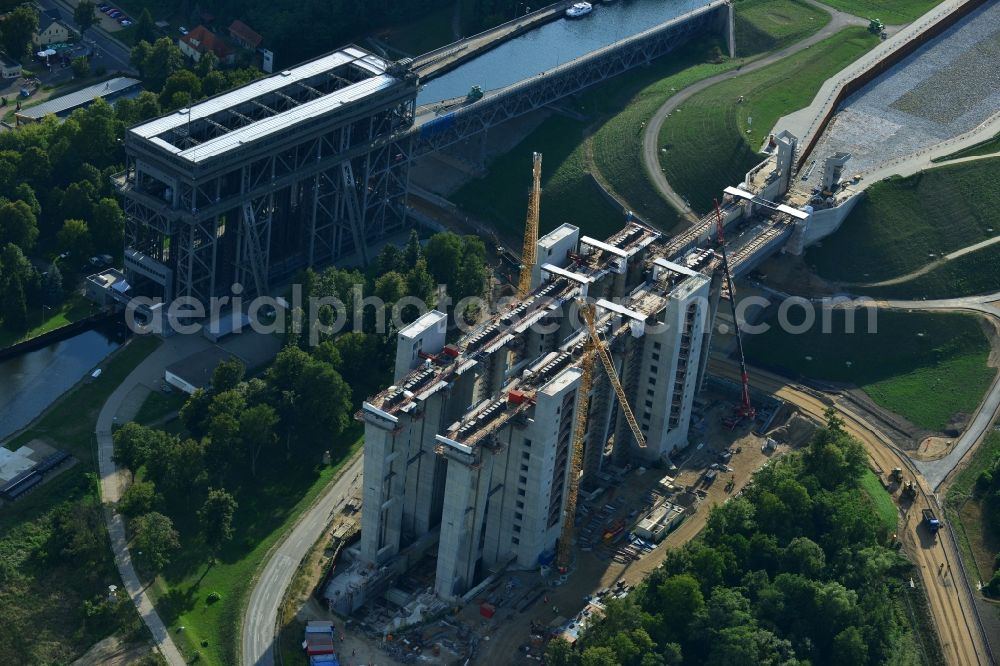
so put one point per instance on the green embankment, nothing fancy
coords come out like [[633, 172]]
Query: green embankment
[[44, 583], [901, 222], [978, 541], [890, 12], [770, 25], [881, 500], [987, 147], [610, 143], [927, 367], [711, 141]]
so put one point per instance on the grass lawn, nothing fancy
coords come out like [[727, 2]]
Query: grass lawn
[[881, 500], [424, 34], [890, 12], [42, 619], [265, 514], [73, 309], [978, 543], [622, 106], [927, 367], [974, 273], [711, 141], [987, 147], [158, 405], [771, 25], [900, 222]]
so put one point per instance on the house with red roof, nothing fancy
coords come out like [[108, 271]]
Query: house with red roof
[[244, 35], [201, 40]]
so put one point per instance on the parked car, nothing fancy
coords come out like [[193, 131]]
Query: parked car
[[182, 30]]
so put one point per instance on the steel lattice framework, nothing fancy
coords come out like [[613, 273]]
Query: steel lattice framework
[[568, 79], [301, 168]]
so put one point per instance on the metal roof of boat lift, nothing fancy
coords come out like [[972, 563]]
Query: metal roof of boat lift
[[218, 145]]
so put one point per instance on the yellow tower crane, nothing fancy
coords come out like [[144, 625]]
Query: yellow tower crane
[[529, 254], [594, 344]]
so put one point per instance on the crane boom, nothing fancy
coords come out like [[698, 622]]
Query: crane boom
[[609, 367], [529, 253], [745, 408], [594, 345]]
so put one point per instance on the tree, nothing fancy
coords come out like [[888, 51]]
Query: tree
[[390, 287], [599, 656], [157, 61], [216, 518], [412, 250], [678, 599], [181, 85], [444, 257], [84, 16], [154, 539], [804, 556], [74, 237], [107, 225], [227, 375], [145, 27], [81, 67], [257, 430], [559, 652], [15, 306], [18, 224], [138, 499], [52, 285], [133, 444], [17, 29]]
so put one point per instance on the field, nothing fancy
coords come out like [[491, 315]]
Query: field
[[264, 515], [710, 141], [971, 274], [42, 614], [979, 545], [928, 368], [987, 147], [422, 35], [881, 500], [891, 12], [770, 25], [900, 222]]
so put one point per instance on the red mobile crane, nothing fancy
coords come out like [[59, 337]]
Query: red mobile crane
[[745, 409]]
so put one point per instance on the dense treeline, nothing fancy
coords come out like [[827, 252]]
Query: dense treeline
[[796, 571], [987, 491]]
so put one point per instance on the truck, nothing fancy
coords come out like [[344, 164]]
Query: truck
[[931, 521]]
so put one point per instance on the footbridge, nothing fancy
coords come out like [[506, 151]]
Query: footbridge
[[438, 126]]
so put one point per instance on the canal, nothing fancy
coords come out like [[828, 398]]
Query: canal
[[32, 382], [554, 44]]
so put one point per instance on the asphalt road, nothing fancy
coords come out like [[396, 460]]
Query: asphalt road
[[261, 613], [112, 53]]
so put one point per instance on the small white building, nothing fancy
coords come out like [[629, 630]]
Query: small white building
[[656, 524], [9, 68]]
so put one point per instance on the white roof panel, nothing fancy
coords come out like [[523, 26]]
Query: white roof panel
[[600, 245], [359, 57]]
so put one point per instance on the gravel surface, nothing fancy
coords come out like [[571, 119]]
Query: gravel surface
[[945, 89]]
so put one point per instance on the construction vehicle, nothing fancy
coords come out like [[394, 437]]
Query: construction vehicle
[[475, 94], [909, 491], [529, 253], [744, 410], [875, 26], [931, 520], [594, 344], [896, 475]]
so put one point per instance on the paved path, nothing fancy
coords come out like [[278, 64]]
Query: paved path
[[118, 408], [936, 471], [261, 614], [650, 143], [937, 263]]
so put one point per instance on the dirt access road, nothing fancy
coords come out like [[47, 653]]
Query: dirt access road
[[948, 594]]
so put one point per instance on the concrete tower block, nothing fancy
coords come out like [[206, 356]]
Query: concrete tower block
[[426, 334], [553, 248]]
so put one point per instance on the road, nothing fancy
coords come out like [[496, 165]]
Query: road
[[116, 408], [948, 593], [261, 614], [651, 139], [110, 49], [936, 471]]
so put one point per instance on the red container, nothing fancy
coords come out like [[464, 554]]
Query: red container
[[487, 610]]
